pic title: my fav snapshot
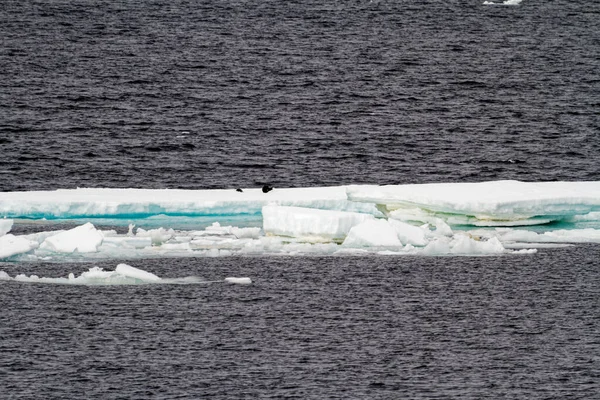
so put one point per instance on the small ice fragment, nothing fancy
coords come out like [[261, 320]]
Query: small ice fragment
[[239, 281], [376, 232], [84, 239], [132, 272]]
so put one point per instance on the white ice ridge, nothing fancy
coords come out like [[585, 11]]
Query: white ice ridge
[[498, 203], [70, 203], [123, 274]]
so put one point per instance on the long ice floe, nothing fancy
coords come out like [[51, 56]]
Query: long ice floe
[[123, 274], [429, 219]]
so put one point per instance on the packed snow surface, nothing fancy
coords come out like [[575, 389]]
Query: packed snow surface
[[503, 217]]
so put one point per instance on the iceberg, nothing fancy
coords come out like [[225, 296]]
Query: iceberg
[[487, 218]]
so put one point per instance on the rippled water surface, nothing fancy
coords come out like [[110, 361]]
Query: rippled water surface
[[222, 94], [335, 327], [298, 93]]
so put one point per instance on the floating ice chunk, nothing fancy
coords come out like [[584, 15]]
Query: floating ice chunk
[[409, 234], [506, 2], [83, 239], [5, 226], [123, 275], [126, 242], [437, 246], [11, 245], [239, 281], [372, 233], [524, 251], [310, 224], [463, 244], [128, 270], [157, 236], [442, 228], [217, 230]]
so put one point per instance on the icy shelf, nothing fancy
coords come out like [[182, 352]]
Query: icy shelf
[[132, 203], [489, 218], [499, 203]]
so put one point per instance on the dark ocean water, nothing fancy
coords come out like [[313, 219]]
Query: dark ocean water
[[214, 94], [509, 327], [207, 94]]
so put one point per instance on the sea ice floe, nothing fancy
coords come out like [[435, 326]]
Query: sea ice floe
[[130, 203], [123, 274], [430, 219]]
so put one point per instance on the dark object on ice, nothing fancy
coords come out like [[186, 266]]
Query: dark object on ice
[[238, 190], [267, 188]]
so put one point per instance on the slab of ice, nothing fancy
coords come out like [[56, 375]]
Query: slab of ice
[[5, 226], [310, 224], [462, 244], [11, 245], [157, 236], [506, 2], [409, 234], [132, 272], [485, 203], [372, 233], [128, 203], [123, 274], [239, 281], [83, 239]]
